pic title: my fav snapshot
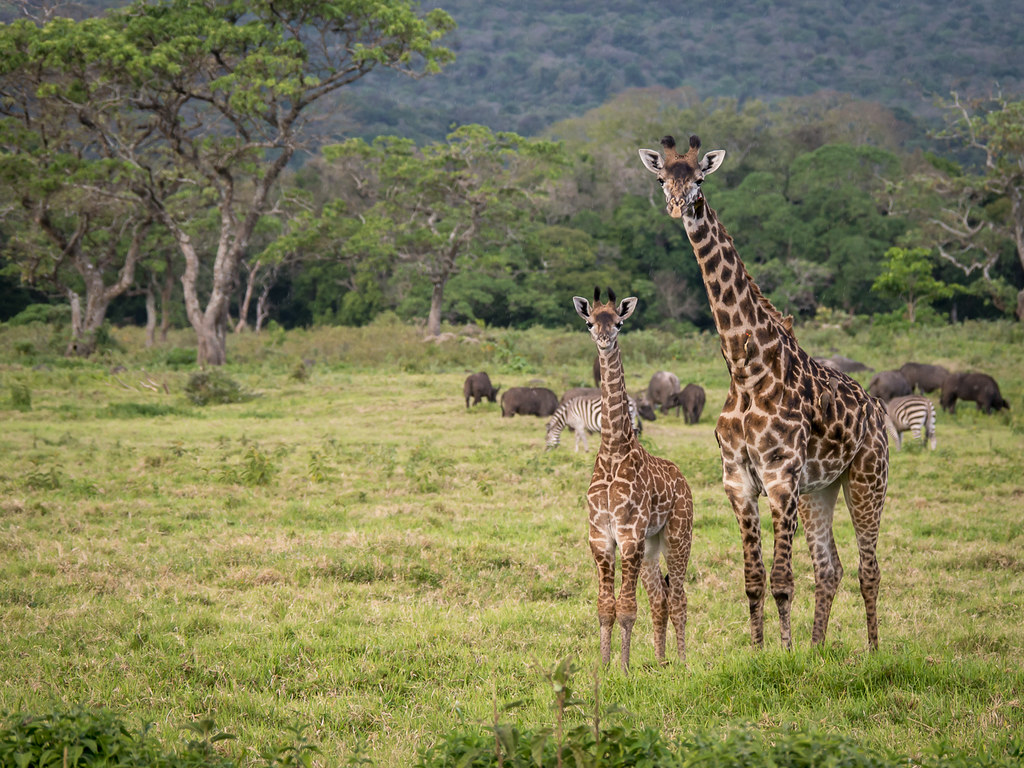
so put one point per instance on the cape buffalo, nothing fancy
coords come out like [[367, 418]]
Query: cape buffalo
[[478, 386], [528, 401], [844, 364], [663, 384], [691, 400], [885, 385], [979, 387], [571, 394], [924, 377]]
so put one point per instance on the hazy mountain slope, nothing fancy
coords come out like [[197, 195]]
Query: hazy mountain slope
[[525, 63]]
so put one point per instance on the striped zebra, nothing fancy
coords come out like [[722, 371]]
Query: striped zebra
[[912, 412], [583, 415]]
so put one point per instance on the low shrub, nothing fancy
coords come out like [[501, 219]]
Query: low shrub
[[96, 737], [81, 737], [179, 357], [42, 313], [21, 397], [213, 388]]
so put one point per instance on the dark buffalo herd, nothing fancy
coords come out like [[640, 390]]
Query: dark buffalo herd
[[664, 392]]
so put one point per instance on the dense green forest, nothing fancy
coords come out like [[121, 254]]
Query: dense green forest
[[521, 66], [204, 173]]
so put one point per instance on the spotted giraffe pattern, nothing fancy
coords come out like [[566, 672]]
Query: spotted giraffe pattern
[[639, 503], [791, 429]]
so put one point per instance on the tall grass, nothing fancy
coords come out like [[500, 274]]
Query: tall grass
[[355, 551]]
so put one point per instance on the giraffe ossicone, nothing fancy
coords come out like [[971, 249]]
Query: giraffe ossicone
[[639, 504], [791, 429]]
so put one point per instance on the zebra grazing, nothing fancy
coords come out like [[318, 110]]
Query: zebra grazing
[[912, 412], [583, 415]]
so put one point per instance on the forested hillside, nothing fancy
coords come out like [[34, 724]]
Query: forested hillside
[[185, 161], [522, 65]]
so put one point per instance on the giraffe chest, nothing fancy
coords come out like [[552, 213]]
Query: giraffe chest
[[626, 501], [787, 440]]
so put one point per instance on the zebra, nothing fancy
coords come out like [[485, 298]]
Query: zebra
[[583, 415], [912, 412]]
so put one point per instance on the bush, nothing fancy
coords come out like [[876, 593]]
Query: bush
[[42, 313], [92, 737], [179, 357], [21, 397], [214, 387]]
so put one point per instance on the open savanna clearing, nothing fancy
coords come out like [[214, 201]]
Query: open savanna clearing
[[356, 551]]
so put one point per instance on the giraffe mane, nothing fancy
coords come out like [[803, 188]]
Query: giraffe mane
[[785, 322]]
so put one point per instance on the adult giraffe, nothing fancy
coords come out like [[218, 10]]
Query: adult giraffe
[[791, 429]]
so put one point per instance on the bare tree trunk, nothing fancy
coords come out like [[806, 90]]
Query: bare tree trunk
[[263, 307], [85, 323], [210, 325], [166, 291], [74, 343], [250, 287], [150, 315], [434, 318]]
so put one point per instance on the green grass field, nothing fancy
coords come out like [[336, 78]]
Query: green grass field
[[355, 551]]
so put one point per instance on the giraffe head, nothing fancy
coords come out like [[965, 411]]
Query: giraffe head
[[604, 320], [680, 176]]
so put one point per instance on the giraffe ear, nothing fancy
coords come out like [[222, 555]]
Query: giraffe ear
[[582, 307], [652, 160], [626, 307], [712, 160]]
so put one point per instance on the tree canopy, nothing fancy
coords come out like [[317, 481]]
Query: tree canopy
[[203, 103]]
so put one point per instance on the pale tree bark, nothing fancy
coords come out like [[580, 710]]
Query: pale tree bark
[[263, 276], [89, 315], [444, 266], [250, 289], [436, 302], [151, 315], [263, 307]]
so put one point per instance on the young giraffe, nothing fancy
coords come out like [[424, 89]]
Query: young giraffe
[[791, 429], [638, 502]]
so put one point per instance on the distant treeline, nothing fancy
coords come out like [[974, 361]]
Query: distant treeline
[[836, 204]]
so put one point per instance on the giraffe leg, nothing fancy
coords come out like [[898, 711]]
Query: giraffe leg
[[784, 520], [744, 505], [816, 513], [864, 490], [604, 557], [678, 531], [625, 605], [654, 583]]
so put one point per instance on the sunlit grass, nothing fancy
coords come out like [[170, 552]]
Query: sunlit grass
[[359, 552]]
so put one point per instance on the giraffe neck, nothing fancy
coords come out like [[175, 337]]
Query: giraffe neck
[[750, 328], [616, 427]]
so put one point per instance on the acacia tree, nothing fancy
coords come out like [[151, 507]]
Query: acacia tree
[[982, 211], [69, 226], [435, 206], [214, 96]]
